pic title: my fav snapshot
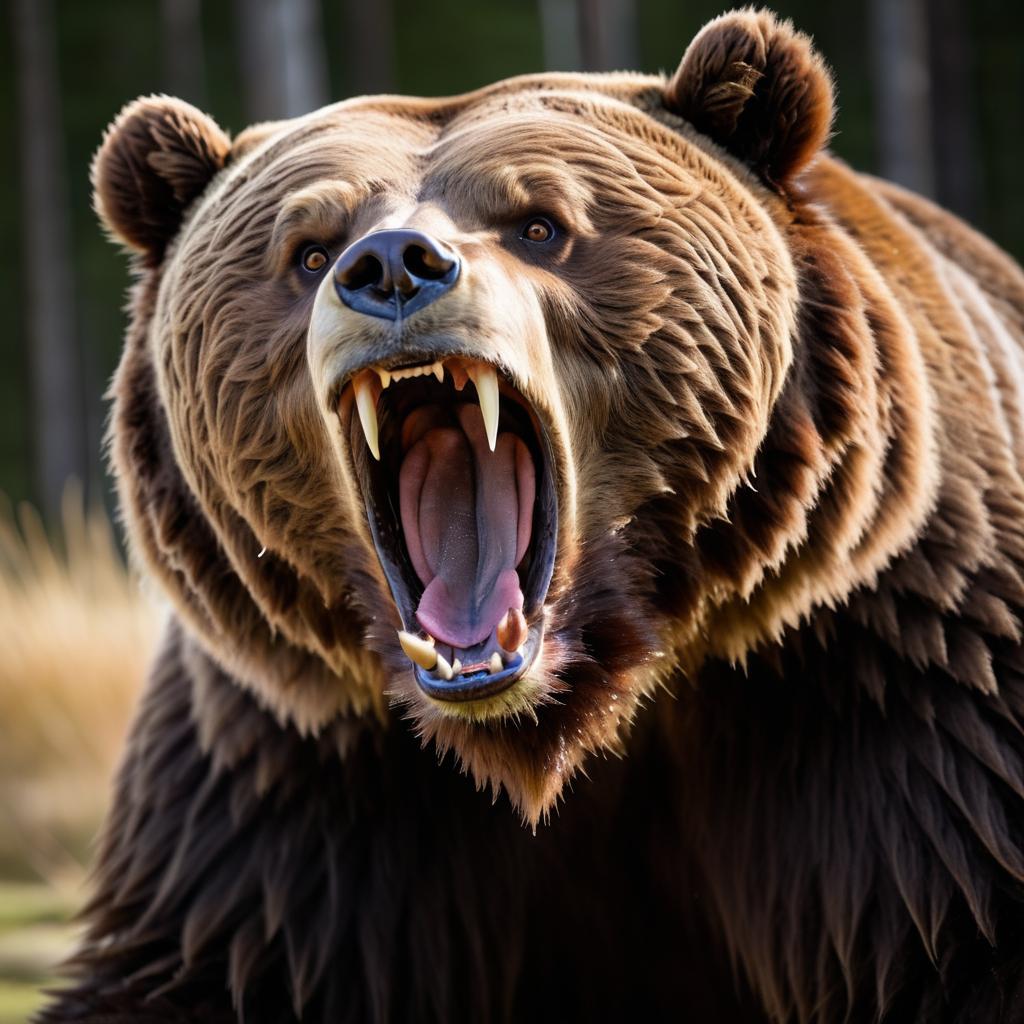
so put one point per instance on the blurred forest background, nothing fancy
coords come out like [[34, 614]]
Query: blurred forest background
[[931, 94]]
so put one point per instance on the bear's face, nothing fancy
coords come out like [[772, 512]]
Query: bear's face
[[452, 385]]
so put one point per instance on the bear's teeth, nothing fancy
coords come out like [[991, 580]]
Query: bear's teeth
[[366, 404], [418, 650], [437, 369], [512, 630], [483, 375], [485, 378], [496, 664], [443, 669]]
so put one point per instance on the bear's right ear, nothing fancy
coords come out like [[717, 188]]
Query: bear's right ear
[[156, 158], [758, 88]]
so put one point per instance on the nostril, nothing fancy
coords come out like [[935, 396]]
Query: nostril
[[427, 264], [363, 273], [394, 273]]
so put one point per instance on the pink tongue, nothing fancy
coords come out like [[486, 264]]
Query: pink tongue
[[466, 513]]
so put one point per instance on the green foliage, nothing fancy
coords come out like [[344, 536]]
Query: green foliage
[[34, 937]]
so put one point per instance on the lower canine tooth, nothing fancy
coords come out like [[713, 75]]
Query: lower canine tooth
[[512, 630], [485, 378], [366, 404], [496, 664], [418, 650], [443, 669]]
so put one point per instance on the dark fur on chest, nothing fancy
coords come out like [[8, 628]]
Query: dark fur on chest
[[353, 878], [862, 850]]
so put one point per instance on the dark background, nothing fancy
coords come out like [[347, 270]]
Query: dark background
[[930, 94]]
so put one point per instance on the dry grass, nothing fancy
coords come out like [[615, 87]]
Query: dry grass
[[75, 637]]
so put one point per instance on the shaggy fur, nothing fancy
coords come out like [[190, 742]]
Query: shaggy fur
[[786, 405]]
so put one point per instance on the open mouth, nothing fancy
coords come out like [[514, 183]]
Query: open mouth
[[456, 475]]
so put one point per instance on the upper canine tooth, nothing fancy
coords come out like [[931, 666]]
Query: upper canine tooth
[[385, 377], [418, 650], [438, 369], [485, 378], [366, 404]]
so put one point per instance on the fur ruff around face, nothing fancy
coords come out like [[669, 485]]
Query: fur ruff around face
[[778, 408]]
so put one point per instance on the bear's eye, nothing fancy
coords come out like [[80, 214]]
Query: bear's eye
[[314, 258], [538, 230]]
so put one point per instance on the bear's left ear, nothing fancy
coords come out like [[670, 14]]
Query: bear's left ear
[[758, 88], [156, 158]]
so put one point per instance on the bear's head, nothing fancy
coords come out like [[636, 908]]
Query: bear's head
[[447, 408]]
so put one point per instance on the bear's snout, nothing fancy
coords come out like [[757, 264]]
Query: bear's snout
[[392, 274]]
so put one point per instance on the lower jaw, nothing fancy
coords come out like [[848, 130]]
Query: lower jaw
[[481, 683]]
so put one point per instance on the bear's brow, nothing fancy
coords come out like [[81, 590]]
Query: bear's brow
[[505, 188]]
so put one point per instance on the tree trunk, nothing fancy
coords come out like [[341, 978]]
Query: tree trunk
[[370, 46], [560, 34], [181, 39], [952, 108], [607, 32], [899, 33], [284, 63], [59, 431]]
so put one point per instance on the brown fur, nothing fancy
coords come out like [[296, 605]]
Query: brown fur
[[787, 409]]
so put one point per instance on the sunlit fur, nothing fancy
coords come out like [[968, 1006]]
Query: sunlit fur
[[651, 289], [785, 404]]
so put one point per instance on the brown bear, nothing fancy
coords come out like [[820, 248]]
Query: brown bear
[[727, 441]]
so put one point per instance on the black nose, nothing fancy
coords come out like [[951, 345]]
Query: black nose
[[392, 274]]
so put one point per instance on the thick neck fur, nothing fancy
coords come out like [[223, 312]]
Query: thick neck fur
[[859, 854], [869, 755], [847, 474], [353, 878]]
